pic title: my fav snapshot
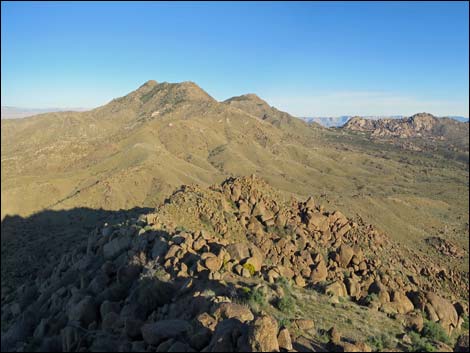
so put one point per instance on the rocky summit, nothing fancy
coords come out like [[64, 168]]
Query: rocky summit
[[236, 266], [418, 126]]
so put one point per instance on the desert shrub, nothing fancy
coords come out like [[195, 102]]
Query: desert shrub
[[378, 343], [284, 322], [465, 325], [286, 304], [250, 268], [322, 336], [205, 220], [370, 298], [255, 298], [420, 344], [434, 331], [282, 232], [284, 283], [224, 264]]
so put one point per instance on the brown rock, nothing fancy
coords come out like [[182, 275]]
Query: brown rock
[[414, 321], [213, 263], [305, 324], [320, 272], [402, 303], [345, 255], [445, 311], [262, 336], [335, 336], [337, 289], [284, 340], [232, 310]]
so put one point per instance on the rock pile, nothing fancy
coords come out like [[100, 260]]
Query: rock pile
[[168, 281]]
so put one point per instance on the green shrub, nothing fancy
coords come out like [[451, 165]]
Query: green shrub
[[370, 298], [284, 322], [434, 331], [254, 298], [286, 304], [250, 268], [284, 283], [323, 336], [420, 344], [465, 325], [258, 297], [378, 343]]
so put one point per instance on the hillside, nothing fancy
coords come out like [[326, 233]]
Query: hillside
[[233, 267], [137, 149]]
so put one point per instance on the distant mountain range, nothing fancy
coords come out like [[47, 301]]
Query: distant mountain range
[[341, 120], [9, 112]]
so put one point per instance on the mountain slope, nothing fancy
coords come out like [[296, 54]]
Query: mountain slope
[[137, 149]]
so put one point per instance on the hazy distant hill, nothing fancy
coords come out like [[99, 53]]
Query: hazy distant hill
[[17, 113]]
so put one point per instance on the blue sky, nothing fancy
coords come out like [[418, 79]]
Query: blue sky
[[310, 59]]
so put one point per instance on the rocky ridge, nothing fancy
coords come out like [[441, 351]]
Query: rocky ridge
[[175, 279]]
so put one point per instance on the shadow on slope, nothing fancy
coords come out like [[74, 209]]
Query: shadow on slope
[[30, 243]]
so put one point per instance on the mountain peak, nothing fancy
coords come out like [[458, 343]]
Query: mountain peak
[[148, 85], [249, 97]]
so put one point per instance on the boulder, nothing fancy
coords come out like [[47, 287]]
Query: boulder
[[354, 288], [108, 307], [116, 246], [213, 263], [402, 303], [238, 251], [337, 289], [157, 332], [262, 336], [318, 221], [381, 291], [284, 340], [462, 343], [414, 321], [85, 312], [226, 336], [304, 324], [233, 310], [319, 273], [445, 311], [132, 328], [160, 248], [345, 254]]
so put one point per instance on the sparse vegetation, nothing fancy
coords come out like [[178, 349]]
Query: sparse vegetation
[[434, 331], [380, 342], [286, 304], [254, 298], [420, 344], [465, 325], [250, 268], [370, 298]]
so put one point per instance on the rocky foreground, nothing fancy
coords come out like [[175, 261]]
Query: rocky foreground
[[210, 269]]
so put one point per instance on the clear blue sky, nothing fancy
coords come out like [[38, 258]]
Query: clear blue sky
[[310, 59]]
